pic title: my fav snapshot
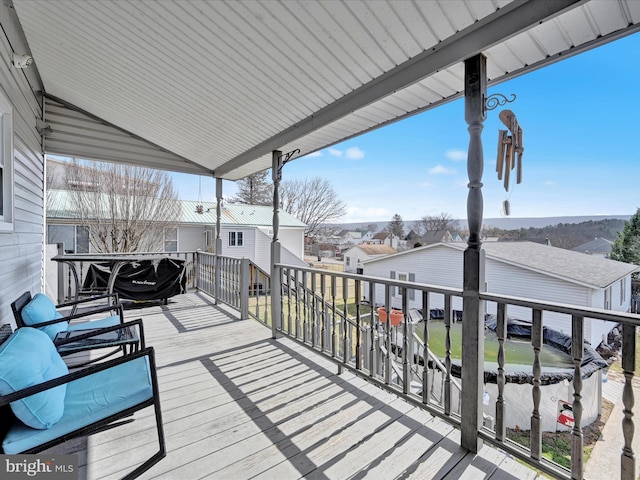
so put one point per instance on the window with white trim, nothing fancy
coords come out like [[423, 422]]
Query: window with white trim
[[235, 239], [208, 238], [171, 239], [75, 238], [6, 164]]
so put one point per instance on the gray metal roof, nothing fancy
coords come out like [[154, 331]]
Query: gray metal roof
[[61, 206], [217, 85], [597, 245], [558, 262], [575, 267]]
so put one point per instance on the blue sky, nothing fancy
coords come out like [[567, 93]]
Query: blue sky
[[581, 140]]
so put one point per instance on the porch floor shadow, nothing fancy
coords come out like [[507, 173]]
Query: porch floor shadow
[[237, 404]]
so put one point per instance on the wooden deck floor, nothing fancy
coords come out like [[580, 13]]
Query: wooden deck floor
[[238, 405]]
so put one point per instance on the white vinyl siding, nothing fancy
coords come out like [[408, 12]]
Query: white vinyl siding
[[22, 245], [248, 243], [442, 265], [6, 164], [191, 238]]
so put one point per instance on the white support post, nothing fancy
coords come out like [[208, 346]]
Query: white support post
[[244, 288], [276, 277], [217, 272], [472, 317]]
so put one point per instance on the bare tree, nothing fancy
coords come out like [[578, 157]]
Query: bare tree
[[442, 221], [254, 190], [125, 208], [313, 201]]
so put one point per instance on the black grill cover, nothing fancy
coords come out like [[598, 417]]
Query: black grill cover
[[143, 280]]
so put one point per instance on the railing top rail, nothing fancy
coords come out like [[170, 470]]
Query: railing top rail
[[383, 281], [589, 312]]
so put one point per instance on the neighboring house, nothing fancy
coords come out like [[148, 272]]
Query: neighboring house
[[385, 238], [599, 247], [435, 236], [521, 269], [246, 230], [348, 237], [354, 256]]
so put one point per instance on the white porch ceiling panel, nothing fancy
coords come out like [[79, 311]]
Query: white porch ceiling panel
[[217, 85]]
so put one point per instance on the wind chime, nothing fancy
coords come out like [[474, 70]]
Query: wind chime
[[510, 150], [199, 206]]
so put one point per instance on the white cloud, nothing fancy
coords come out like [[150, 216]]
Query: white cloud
[[441, 170], [550, 183], [357, 214], [354, 153], [314, 154], [425, 184], [456, 155], [335, 152]]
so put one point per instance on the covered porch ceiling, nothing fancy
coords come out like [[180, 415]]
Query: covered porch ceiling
[[215, 86]]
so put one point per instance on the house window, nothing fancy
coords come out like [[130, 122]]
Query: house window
[[607, 299], [623, 290], [348, 261], [6, 164], [75, 238], [235, 239], [171, 239], [402, 277], [208, 238]]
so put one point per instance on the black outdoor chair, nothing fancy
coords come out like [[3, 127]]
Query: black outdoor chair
[[69, 338], [33, 378]]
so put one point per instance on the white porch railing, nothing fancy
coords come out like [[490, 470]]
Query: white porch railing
[[334, 314]]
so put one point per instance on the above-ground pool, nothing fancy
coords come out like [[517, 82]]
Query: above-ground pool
[[556, 379]]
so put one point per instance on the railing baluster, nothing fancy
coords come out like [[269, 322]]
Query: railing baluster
[[387, 334], [304, 307], [536, 421], [405, 342], [501, 329], [372, 330], [314, 308], [628, 460], [334, 334], [447, 358], [323, 314], [289, 318], [577, 352], [426, 316], [358, 324], [345, 335]]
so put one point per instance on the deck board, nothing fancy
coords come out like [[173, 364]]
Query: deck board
[[237, 404]]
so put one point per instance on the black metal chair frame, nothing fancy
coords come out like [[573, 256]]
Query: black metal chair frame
[[112, 421], [115, 306]]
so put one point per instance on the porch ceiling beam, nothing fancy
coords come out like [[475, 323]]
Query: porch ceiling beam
[[501, 25]]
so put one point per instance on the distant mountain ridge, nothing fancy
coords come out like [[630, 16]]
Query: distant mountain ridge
[[504, 223]]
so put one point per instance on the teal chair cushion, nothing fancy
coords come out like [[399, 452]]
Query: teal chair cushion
[[41, 309], [27, 358], [88, 400]]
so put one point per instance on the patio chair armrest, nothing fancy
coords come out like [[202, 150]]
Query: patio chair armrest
[[93, 333], [117, 308], [70, 377], [114, 296]]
